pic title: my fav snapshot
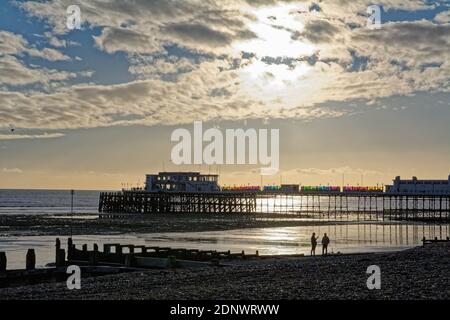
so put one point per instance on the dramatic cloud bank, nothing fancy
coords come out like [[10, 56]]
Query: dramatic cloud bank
[[233, 59]]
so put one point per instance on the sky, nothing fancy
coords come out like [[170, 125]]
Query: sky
[[94, 108]]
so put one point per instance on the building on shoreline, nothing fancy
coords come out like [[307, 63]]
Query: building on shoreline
[[417, 186], [182, 182]]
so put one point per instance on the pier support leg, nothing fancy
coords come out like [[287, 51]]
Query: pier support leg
[[3, 261]]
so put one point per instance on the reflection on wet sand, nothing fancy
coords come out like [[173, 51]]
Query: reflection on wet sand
[[345, 238]]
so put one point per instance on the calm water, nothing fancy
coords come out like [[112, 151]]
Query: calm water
[[47, 201]]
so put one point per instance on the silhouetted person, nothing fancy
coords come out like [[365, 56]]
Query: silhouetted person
[[325, 242], [313, 244]]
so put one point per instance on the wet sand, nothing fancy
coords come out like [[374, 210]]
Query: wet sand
[[418, 273], [60, 225]]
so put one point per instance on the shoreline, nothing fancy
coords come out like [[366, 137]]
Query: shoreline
[[92, 224], [417, 273], [59, 224]]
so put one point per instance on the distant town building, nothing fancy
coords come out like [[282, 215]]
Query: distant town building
[[416, 186], [182, 182]]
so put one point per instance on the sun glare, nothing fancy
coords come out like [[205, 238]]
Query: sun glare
[[274, 27], [274, 67]]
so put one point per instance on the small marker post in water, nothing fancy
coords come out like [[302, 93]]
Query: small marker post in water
[[71, 210]]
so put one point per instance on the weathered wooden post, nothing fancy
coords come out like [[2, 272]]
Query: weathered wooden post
[[3, 262], [69, 248], [106, 248], [128, 260], [215, 262], [95, 247], [31, 259], [60, 260], [172, 261], [84, 247], [257, 253], [93, 258], [60, 254], [118, 248]]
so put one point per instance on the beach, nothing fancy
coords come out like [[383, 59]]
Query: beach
[[268, 234], [418, 273], [284, 269]]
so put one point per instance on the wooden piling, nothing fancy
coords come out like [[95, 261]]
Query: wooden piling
[[93, 258], [60, 259], [129, 260], [30, 260], [172, 261], [3, 262]]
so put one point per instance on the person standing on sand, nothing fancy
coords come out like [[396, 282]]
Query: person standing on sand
[[325, 242], [313, 244]]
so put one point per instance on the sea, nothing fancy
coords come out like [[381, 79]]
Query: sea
[[47, 201]]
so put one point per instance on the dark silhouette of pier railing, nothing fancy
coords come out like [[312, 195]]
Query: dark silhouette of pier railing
[[365, 206]]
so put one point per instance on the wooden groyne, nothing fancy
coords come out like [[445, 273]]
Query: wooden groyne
[[115, 258], [321, 205], [435, 240], [54, 272], [132, 256]]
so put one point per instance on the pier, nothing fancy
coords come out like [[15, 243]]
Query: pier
[[345, 206]]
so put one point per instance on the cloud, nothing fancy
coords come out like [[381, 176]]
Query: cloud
[[127, 40], [12, 170], [443, 17], [26, 136], [14, 72], [335, 171], [320, 31], [52, 55], [15, 44], [234, 60], [146, 26]]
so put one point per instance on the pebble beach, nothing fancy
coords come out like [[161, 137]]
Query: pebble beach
[[418, 273]]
